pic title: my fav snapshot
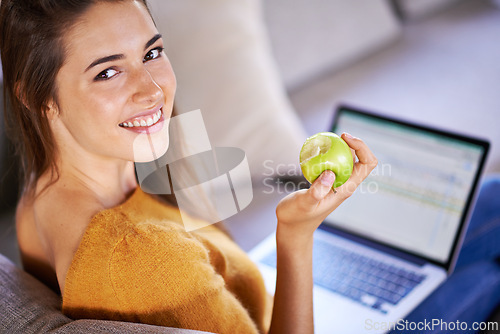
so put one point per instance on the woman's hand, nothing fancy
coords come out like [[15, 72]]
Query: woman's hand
[[299, 214], [303, 211]]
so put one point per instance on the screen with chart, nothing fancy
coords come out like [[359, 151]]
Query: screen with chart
[[415, 198]]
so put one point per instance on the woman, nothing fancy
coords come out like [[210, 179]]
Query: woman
[[85, 79]]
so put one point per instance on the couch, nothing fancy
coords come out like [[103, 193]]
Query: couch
[[28, 306], [296, 62]]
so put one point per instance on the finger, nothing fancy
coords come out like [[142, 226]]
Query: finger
[[363, 153], [367, 162], [353, 156], [360, 172], [320, 188]]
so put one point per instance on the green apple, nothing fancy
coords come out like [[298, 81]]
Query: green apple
[[326, 151]]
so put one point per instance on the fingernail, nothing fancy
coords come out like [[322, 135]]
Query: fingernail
[[327, 178], [347, 135]]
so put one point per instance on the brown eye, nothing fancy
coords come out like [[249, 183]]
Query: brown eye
[[153, 54], [106, 74]]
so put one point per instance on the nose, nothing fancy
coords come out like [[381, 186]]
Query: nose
[[147, 91]]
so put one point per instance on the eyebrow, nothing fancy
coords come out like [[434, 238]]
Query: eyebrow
[[121, 56]]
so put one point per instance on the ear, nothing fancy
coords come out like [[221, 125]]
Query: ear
[[52, 110]]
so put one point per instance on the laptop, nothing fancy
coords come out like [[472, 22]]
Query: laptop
[[397, 238]]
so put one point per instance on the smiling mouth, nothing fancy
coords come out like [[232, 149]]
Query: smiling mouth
[[143, 121]]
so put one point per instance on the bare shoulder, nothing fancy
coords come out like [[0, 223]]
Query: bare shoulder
[[32, 248], [58, 216]]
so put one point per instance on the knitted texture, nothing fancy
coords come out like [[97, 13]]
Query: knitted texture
[[136, 263]]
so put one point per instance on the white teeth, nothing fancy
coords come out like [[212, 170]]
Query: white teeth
[[143, 122]]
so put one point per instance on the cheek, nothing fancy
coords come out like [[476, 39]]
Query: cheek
[[82, 103], [167, 83], [96, 113], [165, 78]]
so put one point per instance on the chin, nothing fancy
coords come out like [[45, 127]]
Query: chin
[[149, 147]]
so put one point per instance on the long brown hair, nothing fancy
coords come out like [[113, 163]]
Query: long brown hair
[[32, 52]]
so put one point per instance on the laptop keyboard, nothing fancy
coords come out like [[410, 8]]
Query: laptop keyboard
[[370, 282]]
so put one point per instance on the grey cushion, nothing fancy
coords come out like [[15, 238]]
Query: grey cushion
[[28, 306]]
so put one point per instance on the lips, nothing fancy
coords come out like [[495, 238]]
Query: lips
[[143, 121]]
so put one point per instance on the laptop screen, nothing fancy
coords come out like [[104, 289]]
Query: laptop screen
[[417, 198]]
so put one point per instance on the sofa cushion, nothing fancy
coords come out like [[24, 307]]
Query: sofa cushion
[[28, 306], [412, 10], [317, 36]]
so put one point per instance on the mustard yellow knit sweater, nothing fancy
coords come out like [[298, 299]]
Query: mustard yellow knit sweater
[[136, 263]]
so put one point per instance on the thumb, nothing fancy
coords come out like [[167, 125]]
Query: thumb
[[321, 186]]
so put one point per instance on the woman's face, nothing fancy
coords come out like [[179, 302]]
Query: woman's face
[[116, 88]]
